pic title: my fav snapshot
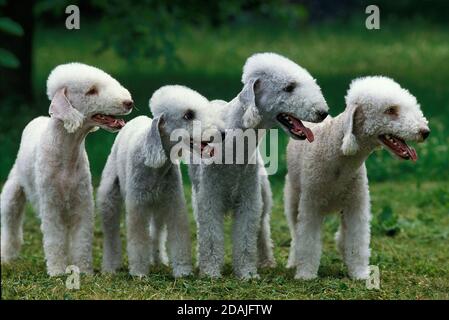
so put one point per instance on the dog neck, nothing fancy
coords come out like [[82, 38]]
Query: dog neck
[[66, 147], [167, 145], [234, 121], [235, 111]]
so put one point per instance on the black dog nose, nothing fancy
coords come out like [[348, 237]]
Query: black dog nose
[[128, 104], [322, 115], [425, 133]]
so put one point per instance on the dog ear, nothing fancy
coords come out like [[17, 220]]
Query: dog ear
[[155, 153], [349, 145], [61, 108], [247, 97]]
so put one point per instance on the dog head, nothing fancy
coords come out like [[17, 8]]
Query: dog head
[[278, 92], [84, 95], [182, 109], [380, 111]]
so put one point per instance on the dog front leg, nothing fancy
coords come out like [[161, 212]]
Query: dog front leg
[[245, 232], [54, 232], [178, 236], [355, 236], [82, 236], [138, 238], [210, 234], [308, 242]]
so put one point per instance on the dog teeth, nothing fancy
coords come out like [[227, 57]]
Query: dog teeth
[[287, 118], [390, 139]]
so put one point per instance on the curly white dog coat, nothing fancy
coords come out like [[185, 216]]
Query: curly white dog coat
[[276, 92], [330, 174], [52, 169], [139, 171], [265, 256]]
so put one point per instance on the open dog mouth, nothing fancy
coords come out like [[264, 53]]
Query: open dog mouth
[[399, 147], [205, 148], [295, 127], [109, 122]]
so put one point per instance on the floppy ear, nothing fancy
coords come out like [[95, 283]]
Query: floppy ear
[[247, 97], [155, 154], [60, 108], [349, 145]]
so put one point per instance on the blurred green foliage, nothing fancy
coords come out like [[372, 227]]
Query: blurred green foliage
[[212, 62], [150, 29], [9, 26], [210, 52], [434, 11], [387, 222]]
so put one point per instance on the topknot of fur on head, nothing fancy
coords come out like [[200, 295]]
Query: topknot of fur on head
[[173, 98], [377, 90], [71, 74], [274, 65]]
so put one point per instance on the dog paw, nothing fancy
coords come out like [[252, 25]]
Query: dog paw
[[267, 264], [109, 269], [137, 273], [290, 264], [56, 272], [8, 254], [210, 273], [247, 274], [305, 275], [361, 273], [7, 259], [182, 271]]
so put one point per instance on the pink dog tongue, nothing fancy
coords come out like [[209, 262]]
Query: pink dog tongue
[[298, 126], [109, 121], [410, 151]]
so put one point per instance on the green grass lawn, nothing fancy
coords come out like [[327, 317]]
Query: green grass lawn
[[410, 201], [409, 246]]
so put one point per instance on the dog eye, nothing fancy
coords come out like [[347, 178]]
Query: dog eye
[[92, 91], [189, 115], [392, 111], [290, 87]]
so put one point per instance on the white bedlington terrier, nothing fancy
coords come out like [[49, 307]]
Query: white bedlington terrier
[[52, 169], [330, 174], [276, 92], [265, 255], [141, 172]]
